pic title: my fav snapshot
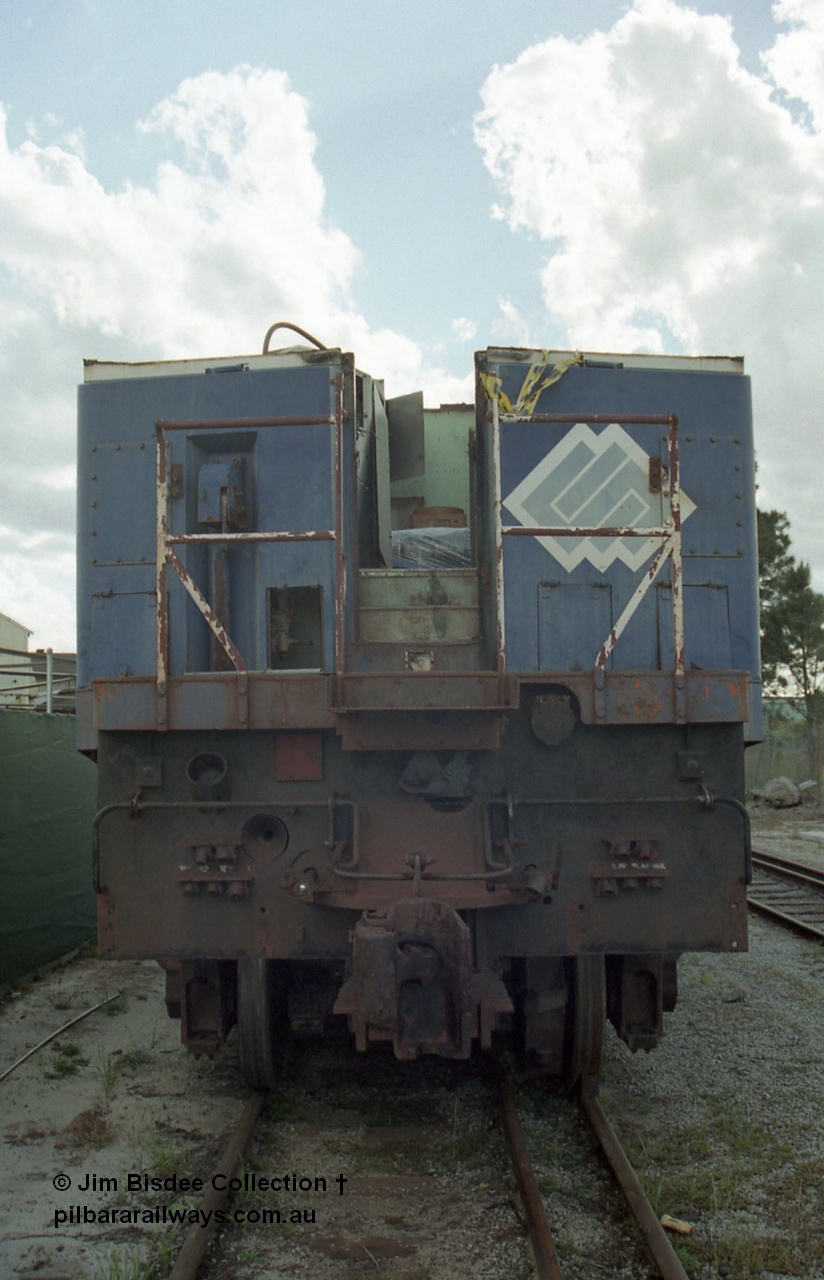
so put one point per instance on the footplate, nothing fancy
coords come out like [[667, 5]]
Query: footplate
[[413, 983]]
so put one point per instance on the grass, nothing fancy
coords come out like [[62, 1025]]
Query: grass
[[166, 1157], [118, 1005], [133, 1059], [124, 1266], [66, 1061], [744, 1254], [731, 1174], [107, 1071], [163, 1251]]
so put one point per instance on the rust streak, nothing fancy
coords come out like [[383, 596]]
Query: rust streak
[[309, 535], [211, 618], [585, 531], [622, 419]]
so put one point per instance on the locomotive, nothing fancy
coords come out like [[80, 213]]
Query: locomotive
[[424, 723]]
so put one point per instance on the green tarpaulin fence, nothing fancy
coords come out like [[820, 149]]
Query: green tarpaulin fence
[[47, 802]]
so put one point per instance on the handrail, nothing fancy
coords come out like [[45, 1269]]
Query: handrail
[[669, 531], [165, 540]]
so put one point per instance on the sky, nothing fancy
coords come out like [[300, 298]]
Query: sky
[[410, 181]]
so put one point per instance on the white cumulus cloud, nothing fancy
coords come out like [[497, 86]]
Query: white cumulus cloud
[[231, 234], [464, 329], [679, 198]]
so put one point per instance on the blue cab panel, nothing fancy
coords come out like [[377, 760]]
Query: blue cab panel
[[563, 594], [248, 478]]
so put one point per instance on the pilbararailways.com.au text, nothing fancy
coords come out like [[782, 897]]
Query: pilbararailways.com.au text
[[175, 1215], [79, 1215]]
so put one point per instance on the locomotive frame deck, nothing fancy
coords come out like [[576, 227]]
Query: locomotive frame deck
[[476, 832]]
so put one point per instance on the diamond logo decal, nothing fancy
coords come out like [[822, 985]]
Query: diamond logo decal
[[586, 481]]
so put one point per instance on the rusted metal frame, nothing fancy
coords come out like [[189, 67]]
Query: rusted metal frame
[[212, 539], [232, 424], [596, 531], [197, 1241], [666, 549], [669, 532], [340, 559], [600, 419], [642, 1211], [497, 518], [213, 622], [506, 690], [677, 569], [670, 535], [161, 576], [547, 1266], [164, 556], [632, 604]]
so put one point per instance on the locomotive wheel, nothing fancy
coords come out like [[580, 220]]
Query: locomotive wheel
[[262, 1017], [585, 1018]]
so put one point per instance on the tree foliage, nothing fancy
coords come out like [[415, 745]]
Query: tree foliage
[[792, 621]]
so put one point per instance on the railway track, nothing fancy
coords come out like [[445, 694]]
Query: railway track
[[790, 892], [546, 1260]]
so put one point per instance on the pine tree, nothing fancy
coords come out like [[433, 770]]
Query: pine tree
[[792, 627]]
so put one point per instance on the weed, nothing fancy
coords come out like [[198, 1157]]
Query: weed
[[67, 1061], [166, 1158], [744, 1255], [115, 1006], [163, 1251], [281, 1108], [686, 1255], [125, 1266], [131, 1059], [62, 1002], [107, 1070], [241, 1196]]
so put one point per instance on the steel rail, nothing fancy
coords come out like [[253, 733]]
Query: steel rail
[[194, 1246], [663, 1254], [547, 1266], [791, 870], [796, 879]]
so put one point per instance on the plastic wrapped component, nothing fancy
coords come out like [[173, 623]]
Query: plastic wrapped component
[[431, 549]]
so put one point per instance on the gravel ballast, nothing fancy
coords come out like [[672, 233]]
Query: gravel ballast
[[724, 1124]]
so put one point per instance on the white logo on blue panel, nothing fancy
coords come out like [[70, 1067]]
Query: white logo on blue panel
[[591, 480]]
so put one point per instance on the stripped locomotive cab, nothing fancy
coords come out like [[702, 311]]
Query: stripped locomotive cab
[[428, 722]]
